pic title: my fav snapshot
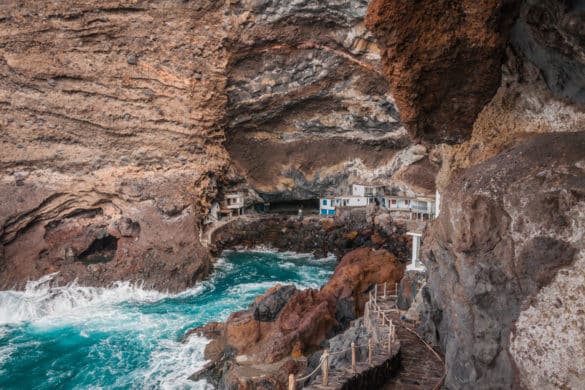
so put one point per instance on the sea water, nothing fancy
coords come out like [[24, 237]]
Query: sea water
[[124, 336]]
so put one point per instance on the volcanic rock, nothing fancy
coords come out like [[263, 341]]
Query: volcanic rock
[[442, 59], [508, 242]]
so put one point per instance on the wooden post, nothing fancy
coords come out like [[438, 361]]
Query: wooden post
[[390, 338], [291, 382], [385, 289], [325, 368], [353, 357], [370, 351]]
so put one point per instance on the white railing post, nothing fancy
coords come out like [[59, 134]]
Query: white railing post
[[385, 290], [370, 351], [291, 382], [375, 292]]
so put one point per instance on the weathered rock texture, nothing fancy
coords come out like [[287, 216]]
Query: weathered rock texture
[[320, 236], [109, 137], [309, 109], [120, 121], [442, 59], [506, 229]]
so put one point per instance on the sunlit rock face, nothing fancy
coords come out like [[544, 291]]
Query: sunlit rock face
[[110, 118], [308, 107]]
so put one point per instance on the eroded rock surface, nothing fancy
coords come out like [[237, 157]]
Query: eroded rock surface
[[139, 112], [442, 59], [508, 228], [110, 131], [308, 106]]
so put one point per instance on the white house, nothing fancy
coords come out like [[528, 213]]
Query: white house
[[419, 208], [327, 206], [233, 204]]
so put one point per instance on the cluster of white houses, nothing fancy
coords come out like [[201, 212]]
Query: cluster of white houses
[[361, 195]]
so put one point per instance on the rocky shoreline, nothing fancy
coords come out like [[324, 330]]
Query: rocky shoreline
[[316, 235], [282, 330]]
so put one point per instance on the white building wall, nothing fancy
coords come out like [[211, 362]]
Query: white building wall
[[358, 190]]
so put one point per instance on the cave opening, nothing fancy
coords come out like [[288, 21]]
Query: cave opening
[[291, 207], [101, 250]]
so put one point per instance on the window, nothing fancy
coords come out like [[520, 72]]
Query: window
[[394, 201], [324, 202], [407, 202]]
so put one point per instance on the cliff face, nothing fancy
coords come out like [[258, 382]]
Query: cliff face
[[504, 257], [110, 131], [510, 227], [120, 122], [442, 59]]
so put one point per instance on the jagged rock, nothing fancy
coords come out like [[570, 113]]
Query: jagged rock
[[307, 318], [268, 308], [312, 235]]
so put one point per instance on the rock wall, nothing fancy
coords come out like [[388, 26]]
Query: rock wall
[[309, 109], [507, 228], [504, 257], [442, 59], [111, 123]]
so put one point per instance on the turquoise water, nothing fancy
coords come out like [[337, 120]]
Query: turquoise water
[[77, 337]]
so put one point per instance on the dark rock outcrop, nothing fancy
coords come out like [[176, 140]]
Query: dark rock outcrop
[[320, 236], [506, 229], [550, 35], [268, 308]]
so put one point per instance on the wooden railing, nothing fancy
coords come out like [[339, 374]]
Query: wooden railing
[[382, 325]]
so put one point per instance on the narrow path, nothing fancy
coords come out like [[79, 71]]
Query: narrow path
[[420, 368]]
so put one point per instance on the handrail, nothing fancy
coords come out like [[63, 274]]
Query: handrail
[[322, 359], [385, 325]]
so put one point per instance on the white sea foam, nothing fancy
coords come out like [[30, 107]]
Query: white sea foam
[[42, 299], [173, 362]]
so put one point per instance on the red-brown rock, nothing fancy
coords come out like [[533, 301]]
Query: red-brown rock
[[443, 60]]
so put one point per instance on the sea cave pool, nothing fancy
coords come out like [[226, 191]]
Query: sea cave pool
[[121, 337]]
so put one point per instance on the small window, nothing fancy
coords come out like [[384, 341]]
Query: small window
[[394, 201], [407, 202], [324, 202]]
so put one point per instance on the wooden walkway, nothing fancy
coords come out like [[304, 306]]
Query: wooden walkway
[[418, 367], [382, 348]]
